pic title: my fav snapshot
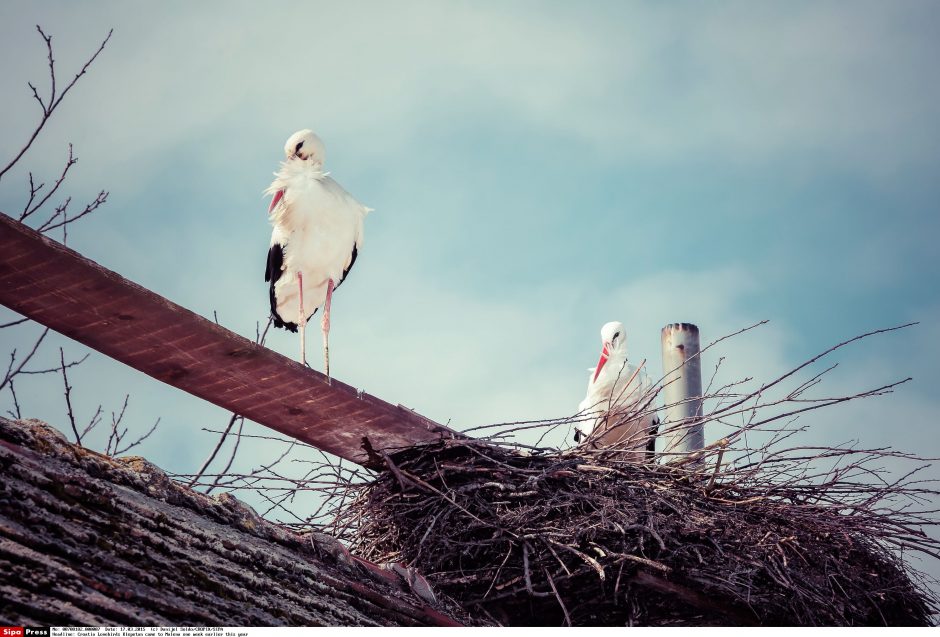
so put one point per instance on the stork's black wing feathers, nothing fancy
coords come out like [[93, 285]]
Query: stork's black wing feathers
[[352, 261], [272, 272]]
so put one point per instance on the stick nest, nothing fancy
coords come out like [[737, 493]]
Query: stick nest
[[586, 538]]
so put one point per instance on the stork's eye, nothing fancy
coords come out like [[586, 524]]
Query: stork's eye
[[298, 147], [616, 334]]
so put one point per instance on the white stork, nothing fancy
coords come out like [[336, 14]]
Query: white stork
[[316, 238], [617, 407]]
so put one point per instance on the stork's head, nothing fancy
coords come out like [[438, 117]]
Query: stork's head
[[305, 146], [613, 344]]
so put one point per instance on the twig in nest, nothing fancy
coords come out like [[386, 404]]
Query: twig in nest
[[721, 451], [561, 602]]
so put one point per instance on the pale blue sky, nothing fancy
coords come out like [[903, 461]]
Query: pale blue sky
[[537, 169]]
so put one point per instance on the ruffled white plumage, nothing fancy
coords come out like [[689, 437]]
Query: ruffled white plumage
[[616, 408], [317, 224]]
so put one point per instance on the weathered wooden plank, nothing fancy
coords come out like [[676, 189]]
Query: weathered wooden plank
[[54, 285]]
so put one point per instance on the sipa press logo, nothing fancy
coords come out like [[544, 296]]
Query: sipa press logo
[[20, 631]]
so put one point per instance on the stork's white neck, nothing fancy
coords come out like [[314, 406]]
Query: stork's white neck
[[298, 168], [618, 353]]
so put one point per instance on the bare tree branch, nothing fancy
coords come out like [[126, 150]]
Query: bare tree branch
[[49, 106], [11, 373], [38, 198], [51, 224], [16, 413], [68, 399], [231, 458], [93, 421], [138, 441], [34, 190], [215, 450], [49, 370], [13, 323], [114, 438]]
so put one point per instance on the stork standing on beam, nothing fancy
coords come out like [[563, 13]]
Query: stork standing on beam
[[316, 238]]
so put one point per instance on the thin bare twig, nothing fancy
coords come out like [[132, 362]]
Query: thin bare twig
[[52, 101], [139, 440], [11, 373], [16, 413], [215, 450], [68, 399], [29, 209], [13, 323]]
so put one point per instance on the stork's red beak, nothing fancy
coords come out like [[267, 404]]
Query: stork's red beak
[[274, 202], [605, 353]]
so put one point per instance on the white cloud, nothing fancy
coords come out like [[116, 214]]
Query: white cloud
[[739, 80]]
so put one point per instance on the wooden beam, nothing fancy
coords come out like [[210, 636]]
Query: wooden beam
[[54, 285]]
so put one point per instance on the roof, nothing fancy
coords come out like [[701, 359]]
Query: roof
[[86, 539]]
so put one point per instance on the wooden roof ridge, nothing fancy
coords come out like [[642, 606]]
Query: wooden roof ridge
[[92, 540]]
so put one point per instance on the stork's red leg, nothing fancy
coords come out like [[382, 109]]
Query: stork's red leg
[[325, 325], [302, 321]]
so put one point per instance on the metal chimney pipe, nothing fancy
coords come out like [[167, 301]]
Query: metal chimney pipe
[[682, 392]]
